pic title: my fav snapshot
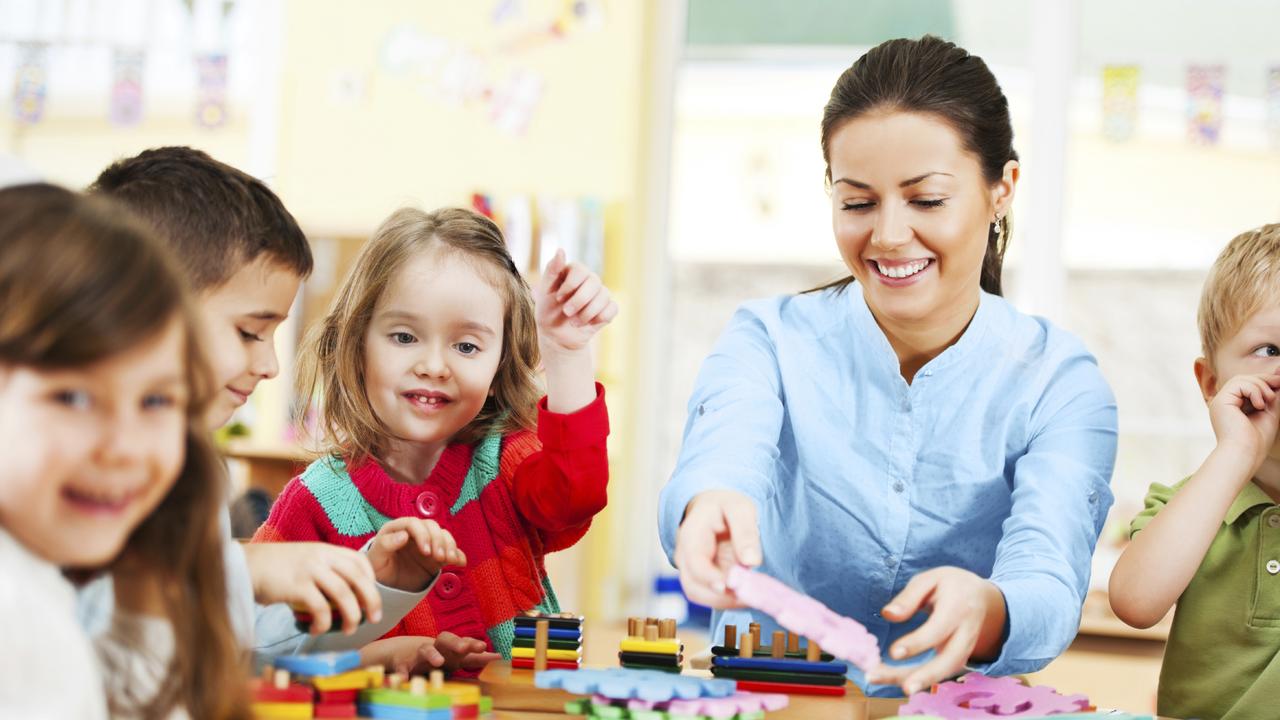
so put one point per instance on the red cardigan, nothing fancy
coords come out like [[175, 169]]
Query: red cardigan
[[539, 498]]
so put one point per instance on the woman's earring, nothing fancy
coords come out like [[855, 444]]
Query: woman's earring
[[999, 228]]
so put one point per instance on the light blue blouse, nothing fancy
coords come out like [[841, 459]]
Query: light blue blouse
[[997, 458]]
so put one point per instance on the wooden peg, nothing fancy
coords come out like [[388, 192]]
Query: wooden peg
[[541, 632], [813, 653], [777, 647], [417, 686], [281, 679], [437, 680], [395, 680], [793, 643], [730, 637], [667, 629], [755, 634], [746, 648], [651, 633], [376, 674], [650, 621], [633, 627]]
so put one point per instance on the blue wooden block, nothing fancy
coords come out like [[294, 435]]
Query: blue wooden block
[[628, 684], [394, 712], [774, 665], [319, 664], [552, 633]]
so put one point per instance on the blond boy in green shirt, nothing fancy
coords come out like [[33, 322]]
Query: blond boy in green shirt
[[1211, 542]]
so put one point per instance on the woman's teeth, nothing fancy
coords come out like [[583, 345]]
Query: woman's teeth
[[901, 271]]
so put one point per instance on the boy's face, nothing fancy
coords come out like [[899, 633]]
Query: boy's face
[[91, 451], [1253, 350], [239, 320]]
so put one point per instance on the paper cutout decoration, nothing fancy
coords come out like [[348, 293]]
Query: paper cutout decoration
[[1120, 101], [211, 90], [1204, 103], [31, 83], [126, 87]]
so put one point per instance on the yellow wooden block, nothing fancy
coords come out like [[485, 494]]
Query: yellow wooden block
[[461, 693], [570, 655], [282, 711], [350, 680], [665, 647]]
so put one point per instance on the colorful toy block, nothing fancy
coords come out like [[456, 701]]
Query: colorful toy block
[[651, 644], [368, 693], [978, 696], [545, 641], [778, 667], [319, 664]]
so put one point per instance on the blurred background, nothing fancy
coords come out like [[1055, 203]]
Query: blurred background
[[674, 146]]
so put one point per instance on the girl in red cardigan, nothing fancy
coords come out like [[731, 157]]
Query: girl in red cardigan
[[425, 367]]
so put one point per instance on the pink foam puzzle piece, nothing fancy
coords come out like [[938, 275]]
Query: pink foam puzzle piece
[[843, 637], [978, 696], [727, 707]]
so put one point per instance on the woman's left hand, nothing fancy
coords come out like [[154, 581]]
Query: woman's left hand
[[966, 620]]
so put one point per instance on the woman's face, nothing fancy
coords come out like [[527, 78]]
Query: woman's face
[[911, 212]]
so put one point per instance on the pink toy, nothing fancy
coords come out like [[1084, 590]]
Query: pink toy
[[843, 637], [723, 707], [978, 696]]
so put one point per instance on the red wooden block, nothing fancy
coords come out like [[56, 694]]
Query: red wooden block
[[466, 712], [336, 697], [789, 689], [336, 710], [268, 693], [527, 664]]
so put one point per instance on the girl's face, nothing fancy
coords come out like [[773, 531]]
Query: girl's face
[[911, 211], [90, 452], [432, 347]]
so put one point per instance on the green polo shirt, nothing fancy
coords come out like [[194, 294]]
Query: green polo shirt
[[1222, 657]]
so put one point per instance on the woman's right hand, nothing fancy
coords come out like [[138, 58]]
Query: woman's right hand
[[719, 530]]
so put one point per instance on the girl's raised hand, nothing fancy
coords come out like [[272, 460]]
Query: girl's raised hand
[[572, 305]]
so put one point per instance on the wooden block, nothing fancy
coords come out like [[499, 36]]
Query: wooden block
[[731, 637], [527, 664], [813, 653], [772, 687], [540, 646], [651, 633], [353, 680], [532, 654], [667, 647], [515, 691], [667, 629], [776, 649], [790, 678], [793, 643], [746, 648], [282, 710], [377, 674]]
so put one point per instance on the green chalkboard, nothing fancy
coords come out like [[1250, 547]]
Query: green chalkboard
[[815, 22]]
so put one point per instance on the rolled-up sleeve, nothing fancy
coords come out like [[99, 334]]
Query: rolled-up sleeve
[[1061, 495], [735, 415]]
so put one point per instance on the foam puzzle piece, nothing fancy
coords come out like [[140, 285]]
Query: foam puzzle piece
[[790, 666], [626, 684], [319, 664], [723, 707], [977, 696], [843, 637]]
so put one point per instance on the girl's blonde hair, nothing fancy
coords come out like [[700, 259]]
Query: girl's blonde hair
[[81, 281], [1244, 278], [332, 367]]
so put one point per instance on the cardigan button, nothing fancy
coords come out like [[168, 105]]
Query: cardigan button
[[448, 586], [428, 504]]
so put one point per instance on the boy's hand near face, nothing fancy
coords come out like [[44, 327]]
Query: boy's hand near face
[[1245, 415], [408, 552]]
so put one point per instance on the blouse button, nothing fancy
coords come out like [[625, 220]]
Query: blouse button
[[448, 586], [428, 504]]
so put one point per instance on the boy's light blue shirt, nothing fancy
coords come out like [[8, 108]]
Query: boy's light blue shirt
[[996, 459]]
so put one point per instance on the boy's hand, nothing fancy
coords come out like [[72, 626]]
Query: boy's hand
[[1245, 415], [407, 552], [410, 655], [318, 576], [572, 305]]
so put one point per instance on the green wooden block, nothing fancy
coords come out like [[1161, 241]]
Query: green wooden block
[[403, 698]]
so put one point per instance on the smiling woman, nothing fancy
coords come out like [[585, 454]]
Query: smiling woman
[[904, 445]]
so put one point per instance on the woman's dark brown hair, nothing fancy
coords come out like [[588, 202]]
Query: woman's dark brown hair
[[81, 281], [935, 77]]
